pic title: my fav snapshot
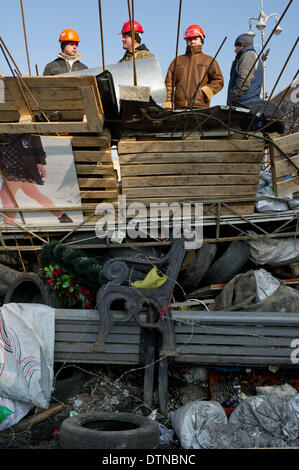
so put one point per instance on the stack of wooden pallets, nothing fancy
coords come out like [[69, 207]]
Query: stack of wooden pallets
[[285, 176], [193, 169]]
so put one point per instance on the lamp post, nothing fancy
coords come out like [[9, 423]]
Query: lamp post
[[261, 25]]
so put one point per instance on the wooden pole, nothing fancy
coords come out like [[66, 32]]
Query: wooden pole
[[131, 17], [102, 35], [25, 36], [176, 54]]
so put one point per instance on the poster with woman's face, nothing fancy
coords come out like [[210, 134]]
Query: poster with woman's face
[[38, 172]]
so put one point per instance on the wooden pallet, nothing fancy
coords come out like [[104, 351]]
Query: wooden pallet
[[198, 170], [76, 98], [97, 177], [285, 177]]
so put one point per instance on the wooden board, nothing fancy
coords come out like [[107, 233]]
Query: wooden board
[[198, 169], [76, 98], [285, 176]]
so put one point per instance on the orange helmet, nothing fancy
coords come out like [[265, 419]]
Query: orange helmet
[[127, 27], [193, 31], [69, 35]]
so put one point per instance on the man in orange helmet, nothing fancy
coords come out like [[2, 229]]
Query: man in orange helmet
[[69, 59], [141, 51], [195, 79]]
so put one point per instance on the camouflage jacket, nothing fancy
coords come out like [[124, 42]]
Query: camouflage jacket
[[141, 52]]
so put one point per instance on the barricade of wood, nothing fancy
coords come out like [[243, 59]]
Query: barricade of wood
[[285, 176], [191, 170], [45, 105]]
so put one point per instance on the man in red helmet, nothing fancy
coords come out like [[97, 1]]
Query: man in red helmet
[[141, 51], [69, 59], [192, 68]]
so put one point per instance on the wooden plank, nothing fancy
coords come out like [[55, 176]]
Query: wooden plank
[[190, 157], [90, 337], [100, 156], [233, 340], [93, 111], [192, 180], [284, 167], [43, 127], [98, 194], [207, 359], [232, 350], [192, 191], [288, 186], [97, 183], [185, 169], [19, 101], [250, 331], [287, 143], [97, 358], [95, 169], [128, 146], [111, 348], [102, 140], [54, 82], [241, 208]]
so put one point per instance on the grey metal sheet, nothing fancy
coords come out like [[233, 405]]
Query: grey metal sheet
[[149, 74], [233, 360], [262, 341]]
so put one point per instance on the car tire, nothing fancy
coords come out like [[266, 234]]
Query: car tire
[[26, 288], [68, 383], [228, 264], [191, 277], [109, 430]]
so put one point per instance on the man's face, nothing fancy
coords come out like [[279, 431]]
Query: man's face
[[238, 49], [127, 42], [71, 48], [196, 41]]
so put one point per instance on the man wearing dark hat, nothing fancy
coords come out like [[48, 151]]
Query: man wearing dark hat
[[141, 51], [239, 91]]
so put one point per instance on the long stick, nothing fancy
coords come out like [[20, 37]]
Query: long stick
[[207, 71], [25, 36], [131, 17], [259, 55], [10, 55], [176, 54], [102, 35]]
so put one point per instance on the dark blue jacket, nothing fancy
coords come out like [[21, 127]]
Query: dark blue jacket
[[248, 93]]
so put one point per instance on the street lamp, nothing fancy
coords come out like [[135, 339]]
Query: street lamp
[[261, 25]]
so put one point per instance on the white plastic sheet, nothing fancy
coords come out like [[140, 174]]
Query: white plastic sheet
[[27, 333]]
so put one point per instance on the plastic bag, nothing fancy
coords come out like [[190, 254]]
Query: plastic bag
[[273, 251], [284, 391], [189, 420], [266, 284], [11, 412], [277, 416]]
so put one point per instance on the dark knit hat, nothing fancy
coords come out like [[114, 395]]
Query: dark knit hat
[[244, 40]]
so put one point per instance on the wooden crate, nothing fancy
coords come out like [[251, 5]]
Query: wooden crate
[[285, 177], [97, 177], [76, 98], [191, 170]]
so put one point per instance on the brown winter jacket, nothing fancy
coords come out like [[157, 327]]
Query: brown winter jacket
[[191, 68]]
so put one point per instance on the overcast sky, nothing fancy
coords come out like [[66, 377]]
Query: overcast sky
[[45, 19]]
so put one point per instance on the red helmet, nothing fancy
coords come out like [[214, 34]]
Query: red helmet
[[127, 27], [193, 31]]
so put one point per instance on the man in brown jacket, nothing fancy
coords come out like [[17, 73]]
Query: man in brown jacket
[[182, 84]]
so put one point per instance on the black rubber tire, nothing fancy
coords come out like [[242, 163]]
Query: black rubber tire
[[190, 278], [228, 264], [67, 383], [26, 288], [109, 430]]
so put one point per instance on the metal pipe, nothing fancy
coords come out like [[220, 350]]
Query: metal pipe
[[262, 50], [131, 17], [10, 55], [25, 36], [102, 35], [211, 63], [176, 55]]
